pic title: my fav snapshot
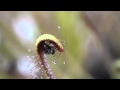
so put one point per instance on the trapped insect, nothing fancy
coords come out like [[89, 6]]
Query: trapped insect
[[47, 44]]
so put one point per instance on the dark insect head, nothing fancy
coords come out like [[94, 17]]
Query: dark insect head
[[49, 48]]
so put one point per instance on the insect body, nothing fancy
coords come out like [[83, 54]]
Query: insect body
[[48, 43], [48, 49]]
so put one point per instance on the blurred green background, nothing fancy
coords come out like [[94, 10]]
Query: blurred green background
[[92, 43]]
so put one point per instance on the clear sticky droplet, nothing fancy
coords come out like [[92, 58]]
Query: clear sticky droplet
[[33, 56], [41, 77], [29, 50], [28, 56], [29, 59], [54, 62], [44, 61], [63, 42], [49, 69], [58, 26], [40, 63], [35, 77], [48, 77], [39, 69], [50, 73], [64, 62], [48, 65], [42, 66], [52, 77]]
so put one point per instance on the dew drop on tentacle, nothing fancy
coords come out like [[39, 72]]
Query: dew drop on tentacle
[[58, 26], [29, 59], [35, 77], [41, 77], [54, 62], [52, 77], [63, 43], [27, 56], [64, 62], [50, 73], [33, 56], [29, 50], [48, 77]]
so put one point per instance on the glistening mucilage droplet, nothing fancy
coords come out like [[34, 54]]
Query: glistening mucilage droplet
[[58, 26], [64, 62], [29, 50]]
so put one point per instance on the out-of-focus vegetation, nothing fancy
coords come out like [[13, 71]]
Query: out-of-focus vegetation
[[91, 42]]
